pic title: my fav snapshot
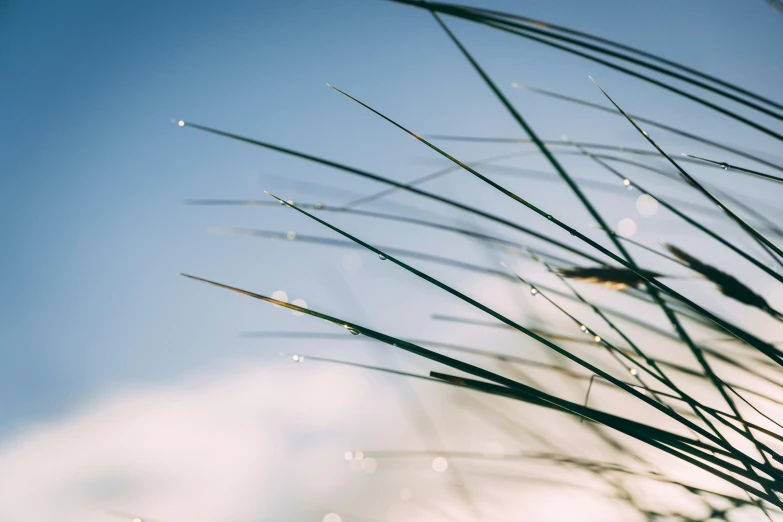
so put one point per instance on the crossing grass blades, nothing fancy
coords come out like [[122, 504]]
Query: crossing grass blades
[[731, 436]]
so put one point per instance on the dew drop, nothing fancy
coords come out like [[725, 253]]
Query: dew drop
[[298, 358], [319, 206], [358, 455], [534, 291], [724, 166], [583, 328], [382, 257], [353, 331], [627, 182], [290, 201], [291, 235], [634, 372], [181, 124], [348, 455], [597, 338]]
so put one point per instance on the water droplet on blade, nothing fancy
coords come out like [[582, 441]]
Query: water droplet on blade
[[353, 331]]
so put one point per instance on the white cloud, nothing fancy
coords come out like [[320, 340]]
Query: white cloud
[[204, 450]]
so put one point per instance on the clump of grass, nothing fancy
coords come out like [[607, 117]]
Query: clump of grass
[[718, 435]]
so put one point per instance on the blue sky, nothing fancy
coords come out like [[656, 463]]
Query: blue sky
[[93, 172]]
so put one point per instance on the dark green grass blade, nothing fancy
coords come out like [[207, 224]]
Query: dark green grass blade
[[445, 261], [619, 148], [550, 143], [402, 186], [372, 214], [653, 123], [728, 166], [640, 52], [766, 348], [483, 237], [701, 101], [515, 359], [740, 334], [747, 228], [592, 211], [527, 252], [501, 244], [671, 208], [423, 179], [751, 207], [770, 224], [607, 419], [680, 447], [547, 38], [716, 353], [521, 388], [658, 375], [516, 326], [492, 390], [629, 354], [418, 350]]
